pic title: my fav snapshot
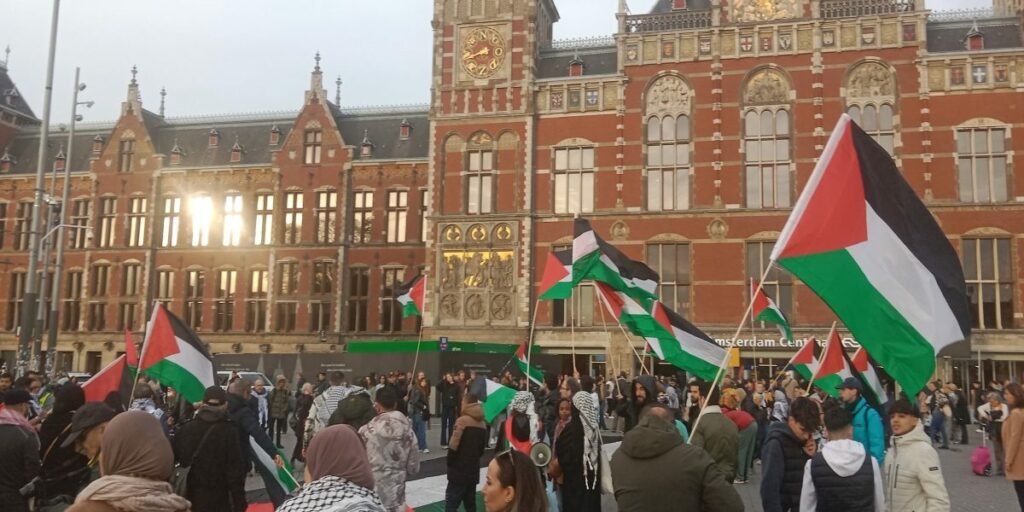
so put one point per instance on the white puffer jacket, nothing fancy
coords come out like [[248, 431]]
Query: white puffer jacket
[[913, 474]]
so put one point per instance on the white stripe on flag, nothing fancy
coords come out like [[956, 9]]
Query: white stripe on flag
[[584, 245], [268, 463], [699, 347], [194, 362]]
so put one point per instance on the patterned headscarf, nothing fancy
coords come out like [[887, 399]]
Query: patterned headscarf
[[523, 403], [584, 403]]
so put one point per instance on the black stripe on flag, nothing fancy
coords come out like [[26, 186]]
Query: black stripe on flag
[[185, 333], [628, 268]]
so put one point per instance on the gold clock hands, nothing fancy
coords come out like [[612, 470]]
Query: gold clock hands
[[483, 51]]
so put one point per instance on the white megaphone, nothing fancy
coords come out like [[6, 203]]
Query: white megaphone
[[540, 454]]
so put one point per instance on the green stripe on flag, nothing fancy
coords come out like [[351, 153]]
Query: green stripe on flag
[[282, 475], [773, 315], [497, 400], [410, 309], [183, 381]]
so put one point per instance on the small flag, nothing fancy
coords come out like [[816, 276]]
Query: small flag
[[807, 359], [864, 365], [765, 310], [282, 476], [834, 368], [497, 399], [686, 346], [410, 295], [175, 356], [534, 374], [861, 239], [556, 282], [114, 377], [593, 258]]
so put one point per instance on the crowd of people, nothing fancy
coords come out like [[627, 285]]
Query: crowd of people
[[684, 447]]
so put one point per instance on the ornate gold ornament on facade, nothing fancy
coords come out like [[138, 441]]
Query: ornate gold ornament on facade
[[668, 96], [767, 87], [483, 51], [764, 10], [452, 233], [717, 229]]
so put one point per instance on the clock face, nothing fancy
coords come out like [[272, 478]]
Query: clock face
[[483, 52]]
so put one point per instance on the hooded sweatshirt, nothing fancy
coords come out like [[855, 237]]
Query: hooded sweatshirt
[[655, 470], [633, 411], [391, 448], [913, 474], [467, 445], [845, 457]]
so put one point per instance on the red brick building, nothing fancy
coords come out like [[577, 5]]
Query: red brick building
[[685, 137]]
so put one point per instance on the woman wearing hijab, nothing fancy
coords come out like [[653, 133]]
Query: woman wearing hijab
[[339, 475], [578, 452], [136, 464], [61, 465]]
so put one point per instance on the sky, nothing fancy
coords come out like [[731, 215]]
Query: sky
[[234, 56]]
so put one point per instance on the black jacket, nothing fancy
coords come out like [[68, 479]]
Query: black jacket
[[569, 450], [782, 469], [635, 406], [448, 393], [217, 479], [547, 411], [467, 447], [19, 458]]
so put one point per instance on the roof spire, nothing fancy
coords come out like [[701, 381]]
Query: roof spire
[[135, 71], [163, 95], [7, 55], [317, 59], [337, 91]]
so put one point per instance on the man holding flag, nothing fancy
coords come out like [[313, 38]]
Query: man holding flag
[[255, 439], [209, 445]]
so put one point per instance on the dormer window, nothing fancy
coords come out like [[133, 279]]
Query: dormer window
[[59, 161], [125, 155], [214, 138], [236, 152], [366, 149], [10, 95], [7, 161], [275, 135], [576, 68], [403, 131], [679, 4], [176, 153], [97, 144], [976, 42]]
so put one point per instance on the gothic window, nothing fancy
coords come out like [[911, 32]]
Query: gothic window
[[172, 221], [292, 217], [397, 214], [256, 302], [287, 277], [988, 270], [870, 101], [424, 231], [71, 315], [362, 213], [200, 208], [194, 282], [80, 219], [263, 232], [108, 217], [312, 144], [668, 163], [574, 179], [981, 164], [125, 155], [480, 182], [165, 287], [137, 222], [358, 298], [15, 299], [231, 224], [131, 280], [326, 212], [224, 303], [391, 310], [21, 225], [766, 148], [672, 263]]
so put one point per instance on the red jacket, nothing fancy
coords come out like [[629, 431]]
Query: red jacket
[[742, 419]]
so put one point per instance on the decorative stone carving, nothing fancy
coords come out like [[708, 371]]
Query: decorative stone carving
[[764, 10], [501, 306], [478, 233], [620, 231], [450, 306], [502, 233], [451, 271], [718, 229], [668, 96], [767, 87], [452, 233], [870, 80], [481, 138], [502, 272], [475, 307]]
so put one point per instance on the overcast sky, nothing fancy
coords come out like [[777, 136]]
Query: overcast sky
[[221, 56]]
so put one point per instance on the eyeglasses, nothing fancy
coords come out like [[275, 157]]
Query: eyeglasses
[[508, 452]]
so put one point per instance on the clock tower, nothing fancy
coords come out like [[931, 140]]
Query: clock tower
[[481, 161]]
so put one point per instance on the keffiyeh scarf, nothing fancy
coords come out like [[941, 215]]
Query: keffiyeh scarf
[[523, 403], [334, 494], [584, 402]]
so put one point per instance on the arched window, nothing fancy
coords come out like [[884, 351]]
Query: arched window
[[574, 179], [877, 121], [668, 170], [767, 133], [870, 101]]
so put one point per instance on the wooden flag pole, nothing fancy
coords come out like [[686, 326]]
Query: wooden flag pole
[[572, 336], [824, 355], [629, 341], [142, 353], [419, 342], [753, 334], [529, 342], [732, 343]]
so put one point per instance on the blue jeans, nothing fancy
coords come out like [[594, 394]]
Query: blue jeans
[[939, 428], [420, 427], [447, 424]]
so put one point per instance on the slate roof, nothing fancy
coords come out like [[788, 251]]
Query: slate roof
[[25, 149], [596, 61], [664, 6], [7, 87], [948, 36], [384, 131]]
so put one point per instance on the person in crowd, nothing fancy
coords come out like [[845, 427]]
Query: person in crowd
[[644, 392], [6, 381], [912, 467], [354, 410], [692, 405], [337, 475], [144, 400], [513, 485], [780, 405], [321, 383], [715, 433], [391, 447], [19, 450], [419, 411], [654, 469], [554, 469], [135, 474], [86, 434], [60, 461], [522, 429], [262, 397], [172, 406], [448, 398], [1013, 438], [843, 475], [578, 452], [243, 416], [547, 406], [209, 444], [992, 414], [867, 424], [938, 406], [787, 448], [961, 414], [303, 402], [279, 404], [672, 395], [622, 397], [467, 446], [609, 398], [324, 404], [747, 428]]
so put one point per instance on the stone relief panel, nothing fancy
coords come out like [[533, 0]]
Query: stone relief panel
[[870, 80], [767, 87], [764, 10], [669, 95], [477, 273]]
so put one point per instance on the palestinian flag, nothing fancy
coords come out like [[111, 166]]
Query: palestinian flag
[[863, 241], [807, 359], [630, 313], [497, 399], [534, 374], [117, 376], [593, 258], [688, 347], [765, 310], [834, 367], [410, 295], [869, 374], [272, 474], [556, 282], [175, 356]]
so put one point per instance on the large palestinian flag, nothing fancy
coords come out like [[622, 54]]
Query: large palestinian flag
[[834, 367], [807, 359], [175, 356], [765, 310], [593, 258], [869, 374], [410, 296], [533, 373], [687, 347], [863, 241], [628, 312], [556, 281]]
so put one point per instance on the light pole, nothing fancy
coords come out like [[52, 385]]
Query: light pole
[[51, 334], [29, 304]]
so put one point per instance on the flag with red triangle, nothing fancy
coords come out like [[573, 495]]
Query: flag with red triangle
[[765, 310], [533, 373], [174, 355], [411, 296], [834, 367], [807, 359], [118, 376], [868, 370], [556, 281]]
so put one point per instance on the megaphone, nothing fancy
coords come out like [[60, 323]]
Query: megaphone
[[540, 454]]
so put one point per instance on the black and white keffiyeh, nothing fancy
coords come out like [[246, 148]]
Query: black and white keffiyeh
[[585, 403], [334, 494], [523, 403]]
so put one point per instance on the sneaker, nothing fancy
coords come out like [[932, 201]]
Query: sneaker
[[739, 481], [426, 450], [444, 447]]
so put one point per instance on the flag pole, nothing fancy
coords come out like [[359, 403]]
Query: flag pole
[[732, 343], [572, 335], [529, 342], [142, 353], [824, 355], [419, 341], [753, 335], [629, 341]]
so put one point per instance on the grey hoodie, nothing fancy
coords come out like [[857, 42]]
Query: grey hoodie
[[845, 457]]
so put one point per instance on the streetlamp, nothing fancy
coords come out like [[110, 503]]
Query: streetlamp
[[51, 334]]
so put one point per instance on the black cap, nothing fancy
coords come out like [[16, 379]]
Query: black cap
[[215, 396], [851, 383], [87, 417], [16, 396]]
